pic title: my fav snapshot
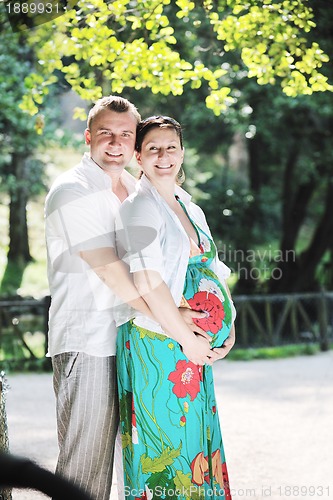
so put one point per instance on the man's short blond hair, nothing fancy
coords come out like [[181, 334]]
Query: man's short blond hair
[[113, 103]]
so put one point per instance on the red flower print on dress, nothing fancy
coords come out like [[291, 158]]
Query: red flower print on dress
[[186, 378], [227, 492], [135, 437], [200, 469], [133, 413], [220, 473], [210, 303]]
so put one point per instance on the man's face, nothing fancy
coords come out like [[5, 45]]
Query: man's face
[[111, 139]]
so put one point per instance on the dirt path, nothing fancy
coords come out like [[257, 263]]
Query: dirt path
[[276, 416]]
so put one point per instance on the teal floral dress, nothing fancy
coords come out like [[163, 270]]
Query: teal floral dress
[[171, 436]]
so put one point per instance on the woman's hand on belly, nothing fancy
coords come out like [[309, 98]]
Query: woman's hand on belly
[[198, 350], [228, 344], [189, 315]]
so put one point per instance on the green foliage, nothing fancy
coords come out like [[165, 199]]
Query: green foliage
[[104, 47], [14, 67], [20, 133], [277, 352], [178, 58], [158, 464], [12, 278]]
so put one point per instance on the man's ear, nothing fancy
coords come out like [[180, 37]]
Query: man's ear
[[87, 136], [138, 157]]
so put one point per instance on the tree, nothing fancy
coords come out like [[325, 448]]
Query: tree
[[227, 55], [21, 171], [291, 154], [104, 47]]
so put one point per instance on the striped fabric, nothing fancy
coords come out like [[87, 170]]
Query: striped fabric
[[87, 419]]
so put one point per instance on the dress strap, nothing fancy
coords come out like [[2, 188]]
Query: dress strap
[[194, 224]]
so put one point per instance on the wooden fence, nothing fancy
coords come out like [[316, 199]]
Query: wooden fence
[[262, 320], [20, 318], [271, 320]]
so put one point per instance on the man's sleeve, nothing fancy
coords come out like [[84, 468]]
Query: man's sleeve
[[83, 220], [138, 234]]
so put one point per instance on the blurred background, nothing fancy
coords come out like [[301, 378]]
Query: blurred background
[[251, 85]]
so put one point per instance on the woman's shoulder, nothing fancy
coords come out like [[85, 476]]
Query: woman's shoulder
[[137, 200], [140, 207], [197, 212]]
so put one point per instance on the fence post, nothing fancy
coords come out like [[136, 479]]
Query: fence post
[[323, 322]]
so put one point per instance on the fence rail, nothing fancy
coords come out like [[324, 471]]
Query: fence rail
[[20, 318], [262, 320], [284, 318]]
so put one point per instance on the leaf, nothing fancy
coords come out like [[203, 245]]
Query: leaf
[[184, 484], [158, 479], [126, 440], [158, 464], [152, 335], [79, 114], [126, 411]]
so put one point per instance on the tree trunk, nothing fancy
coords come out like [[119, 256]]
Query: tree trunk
[[299, 274], [247, 280], [321, 242], [18, 227], [294, 217]]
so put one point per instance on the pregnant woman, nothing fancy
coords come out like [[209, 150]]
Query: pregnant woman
[[172, 442]]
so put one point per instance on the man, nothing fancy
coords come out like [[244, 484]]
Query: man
[[79, 214], [85, 276]]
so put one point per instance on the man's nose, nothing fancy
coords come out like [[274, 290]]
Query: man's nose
[[113, 139]]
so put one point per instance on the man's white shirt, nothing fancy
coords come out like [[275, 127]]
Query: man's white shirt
[[80, 212]]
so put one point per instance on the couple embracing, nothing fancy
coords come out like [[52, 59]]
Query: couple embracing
[[134, 271]]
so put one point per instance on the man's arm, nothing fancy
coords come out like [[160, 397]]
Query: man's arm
[[159, 298], [115, 274]]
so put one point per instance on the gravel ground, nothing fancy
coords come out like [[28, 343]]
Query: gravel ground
[[276, 416]]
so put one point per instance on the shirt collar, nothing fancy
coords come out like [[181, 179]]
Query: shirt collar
[[98, 177], [145, 185]]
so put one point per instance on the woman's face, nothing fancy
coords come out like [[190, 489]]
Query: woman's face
[[161, 154]]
